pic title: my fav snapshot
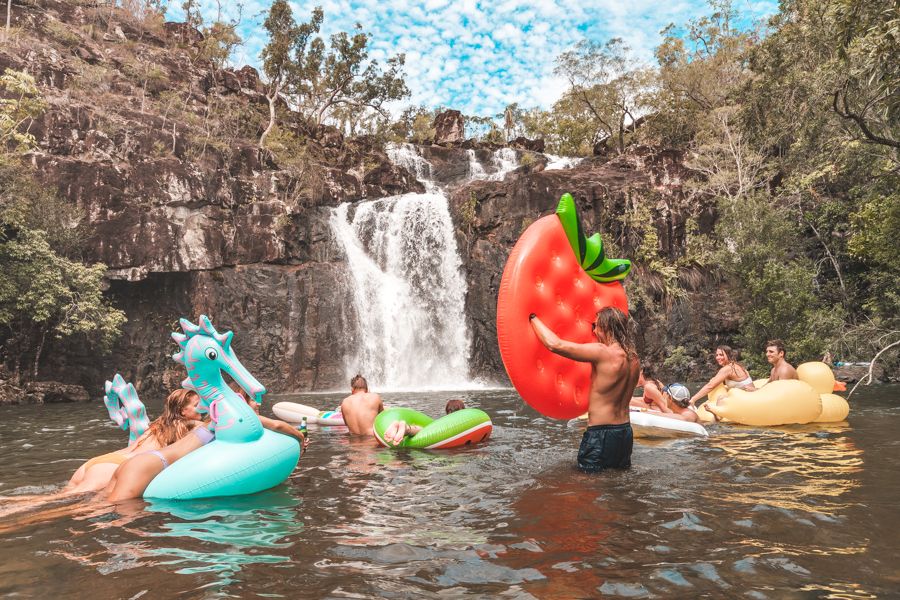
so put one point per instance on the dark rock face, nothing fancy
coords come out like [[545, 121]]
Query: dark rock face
[[523, 143], [449, 127], [53, 392]]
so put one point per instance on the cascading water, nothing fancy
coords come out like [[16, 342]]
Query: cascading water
[[409, 291], [504, 160], [476, 171], [408, 287], [555, 162], [405, 155]]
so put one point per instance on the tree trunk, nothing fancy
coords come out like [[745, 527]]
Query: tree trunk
[[37, 354], [8, 15], [272, 99]]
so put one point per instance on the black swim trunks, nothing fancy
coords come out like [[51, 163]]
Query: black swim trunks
[[606, 447]]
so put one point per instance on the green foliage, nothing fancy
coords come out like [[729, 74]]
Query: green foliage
[[337, 82], [782, 301], [678, 362], [56, 294], [876, 231], [606, 94], [20, 104], [414, 125], [219, 41], [43, 288], [468, 210], [61, 33]]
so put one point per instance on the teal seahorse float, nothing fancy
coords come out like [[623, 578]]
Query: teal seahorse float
[[244, 458], [125, 408]]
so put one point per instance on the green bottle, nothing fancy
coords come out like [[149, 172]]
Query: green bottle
[[303, 428]]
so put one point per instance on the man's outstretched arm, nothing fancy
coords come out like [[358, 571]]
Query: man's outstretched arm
[[557, 345]]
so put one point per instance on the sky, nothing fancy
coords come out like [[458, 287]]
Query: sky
[[478, 57]]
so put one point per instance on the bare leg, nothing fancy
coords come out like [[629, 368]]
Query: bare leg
[[95, 479], [395, 433], [133, 477]]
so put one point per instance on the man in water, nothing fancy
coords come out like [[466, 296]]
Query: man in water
[[615, 369], [678, 400], [361, 407], [781, 369]]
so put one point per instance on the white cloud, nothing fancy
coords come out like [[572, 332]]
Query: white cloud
[[479, 56]]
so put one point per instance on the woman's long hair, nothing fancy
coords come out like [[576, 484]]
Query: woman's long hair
[[732, 356], [614, 323], [171, 426], [729, 352]]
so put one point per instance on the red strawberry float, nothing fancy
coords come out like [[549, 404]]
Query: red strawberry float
[[564, 277]]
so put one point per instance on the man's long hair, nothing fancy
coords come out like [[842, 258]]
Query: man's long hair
[[615, 324]]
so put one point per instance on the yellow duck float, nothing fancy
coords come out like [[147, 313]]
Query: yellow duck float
[[808, 399]]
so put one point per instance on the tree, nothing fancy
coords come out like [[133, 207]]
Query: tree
[[20, 104], [868, 89], [700, 70], [613, 95], [220, 38], [43, 293], [322, 83], [344, 77], [284, 53]]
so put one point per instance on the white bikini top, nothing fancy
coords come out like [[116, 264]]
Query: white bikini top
[[738, 384]]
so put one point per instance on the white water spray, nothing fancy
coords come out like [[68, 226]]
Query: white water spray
[[555, 162], [408, 290]]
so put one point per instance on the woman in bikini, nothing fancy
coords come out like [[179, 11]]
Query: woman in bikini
[[731, 373], [652, 398], [132, 478], [179, 417]]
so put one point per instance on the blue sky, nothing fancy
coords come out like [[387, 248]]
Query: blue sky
[[480, 56]]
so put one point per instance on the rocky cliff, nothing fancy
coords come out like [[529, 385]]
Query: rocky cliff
[[157, 148]]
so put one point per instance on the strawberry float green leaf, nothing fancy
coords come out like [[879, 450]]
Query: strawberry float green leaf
[[589, 250]]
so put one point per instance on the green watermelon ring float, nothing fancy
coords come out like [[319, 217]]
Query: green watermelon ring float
[[459, 428], [565, 278]]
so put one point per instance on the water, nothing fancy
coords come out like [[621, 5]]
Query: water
[[406, 156], [555, 162], [406, 281], [408, 291], [795, 512]]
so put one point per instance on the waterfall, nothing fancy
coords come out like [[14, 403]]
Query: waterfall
[[561, 162], [504, 161], [408, 290], [406, 156], [476, 171]]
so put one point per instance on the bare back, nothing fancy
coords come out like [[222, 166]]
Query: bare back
[[359, 410], [613, 377]]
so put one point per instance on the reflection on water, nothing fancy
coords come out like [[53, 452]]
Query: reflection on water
[[807, 468], [764, 513]]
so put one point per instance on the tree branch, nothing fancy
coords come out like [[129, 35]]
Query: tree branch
[[869, 375], [860, 122]]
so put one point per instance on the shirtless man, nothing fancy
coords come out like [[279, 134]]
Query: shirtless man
[[361, 407], [678, 401], [781, 369], [615, 369]]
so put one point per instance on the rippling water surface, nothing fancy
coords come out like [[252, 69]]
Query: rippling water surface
[[799, 512]]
